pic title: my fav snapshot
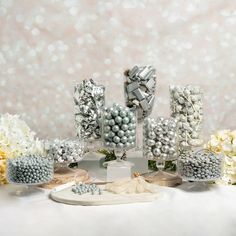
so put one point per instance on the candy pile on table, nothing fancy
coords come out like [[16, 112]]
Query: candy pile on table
[[31, 169], [119, 127], [82, 188]]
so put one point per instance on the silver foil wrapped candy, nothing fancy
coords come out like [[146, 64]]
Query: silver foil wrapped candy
[[187, 107], [89, 99], [160, 139], [140, 86], [65, 151]]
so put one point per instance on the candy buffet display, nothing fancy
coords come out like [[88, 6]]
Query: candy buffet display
[[65, 151], [202, 165], [29, 170], [89, 99], [160, 139], [224, 141], [16, 139], [140, 86], [186, 106], [119, 128]]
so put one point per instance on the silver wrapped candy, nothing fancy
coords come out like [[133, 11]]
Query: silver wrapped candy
[[160, 139], [119, 127], [65, 151], [140, 86], [31, 169], [89, 99], [202, 165], [187, 107]]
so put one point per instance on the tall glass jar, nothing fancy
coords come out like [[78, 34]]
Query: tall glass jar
[[187, 107], [89, 99]]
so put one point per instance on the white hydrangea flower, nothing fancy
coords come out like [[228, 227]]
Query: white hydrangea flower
[[224, 141]]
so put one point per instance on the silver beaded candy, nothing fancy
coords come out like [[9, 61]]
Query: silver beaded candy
[[31, 169], [140, 86], [202, 165]]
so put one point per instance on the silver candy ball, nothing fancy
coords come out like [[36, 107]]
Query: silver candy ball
[[111, 122], [122, 113], [118, 119], [116, 139], [124, 127], [115, 128], [156, 152], [125, 120], [121, 133], [124, 139], [150, 142]]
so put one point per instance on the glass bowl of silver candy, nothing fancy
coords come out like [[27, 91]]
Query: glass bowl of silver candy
[[30, 170], [200, 165], [65, 151]]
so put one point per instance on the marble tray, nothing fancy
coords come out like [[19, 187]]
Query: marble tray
[[68, 197]]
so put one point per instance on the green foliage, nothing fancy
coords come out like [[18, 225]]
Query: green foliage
[[109, 155], [169, 165]]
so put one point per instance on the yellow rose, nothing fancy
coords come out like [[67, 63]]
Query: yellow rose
[[3, 157]]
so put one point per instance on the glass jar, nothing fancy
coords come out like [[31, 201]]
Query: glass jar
[[187, 107], [118, 134], [160, 139], [89, 99], [139, 89], [118, 128]]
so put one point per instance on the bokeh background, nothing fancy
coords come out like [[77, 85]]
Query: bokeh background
[[47, 46]]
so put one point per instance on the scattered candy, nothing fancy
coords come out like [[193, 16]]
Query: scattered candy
[[89, 100], [186, 106], [65, 151], [82, 188], [119, 127], [160, 139], [140, 88], [201, 165], [31, 169]]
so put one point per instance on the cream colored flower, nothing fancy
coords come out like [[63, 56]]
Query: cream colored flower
[[16, 139], [224, 141]]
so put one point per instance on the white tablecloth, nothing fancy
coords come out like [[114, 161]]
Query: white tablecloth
[[179, 211]]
